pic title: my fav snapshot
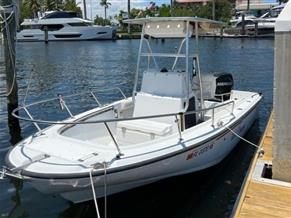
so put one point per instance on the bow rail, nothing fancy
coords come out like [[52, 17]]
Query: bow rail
[[71, 120]]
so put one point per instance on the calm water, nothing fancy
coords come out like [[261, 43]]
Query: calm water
[[70, 67]]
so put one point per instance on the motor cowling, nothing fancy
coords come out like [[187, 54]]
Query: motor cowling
[[224, 85], [216, 86]]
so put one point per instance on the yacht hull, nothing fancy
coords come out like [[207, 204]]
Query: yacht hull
[[194, 158], [68, 34]]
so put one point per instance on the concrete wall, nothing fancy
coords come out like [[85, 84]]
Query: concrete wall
[[282, 98]]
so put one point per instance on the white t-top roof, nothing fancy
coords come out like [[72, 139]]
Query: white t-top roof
[[142, 21], [174, 27]]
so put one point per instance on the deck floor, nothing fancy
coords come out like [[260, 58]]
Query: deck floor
[[260, 199]]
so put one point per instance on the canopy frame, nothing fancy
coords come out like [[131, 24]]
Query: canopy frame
[[191, 25]]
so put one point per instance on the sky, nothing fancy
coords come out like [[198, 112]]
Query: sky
[[116, 6]]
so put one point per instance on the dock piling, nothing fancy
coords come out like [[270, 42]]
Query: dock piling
[[9, 35], [256, 29], [243, 30], [282, 97], [45, 34]]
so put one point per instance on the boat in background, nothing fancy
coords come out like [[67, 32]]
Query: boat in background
[[177, 121], [265, 23], [63, 25]]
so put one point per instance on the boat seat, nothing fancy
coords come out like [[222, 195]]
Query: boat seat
[[141, 130], [137, 131], [147, 126], [149, 105]]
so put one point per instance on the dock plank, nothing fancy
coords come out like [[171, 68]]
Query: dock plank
[[267, 142], [258, 199]]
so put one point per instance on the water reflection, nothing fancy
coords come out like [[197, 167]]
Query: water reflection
[[18, 211], [13, 124]]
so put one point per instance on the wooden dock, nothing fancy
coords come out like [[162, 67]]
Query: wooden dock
[[259, 198]]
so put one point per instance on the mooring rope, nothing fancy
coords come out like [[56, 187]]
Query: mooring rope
[[28, 86], [104, 165], [94, 194], [105, 190], [220, 124]]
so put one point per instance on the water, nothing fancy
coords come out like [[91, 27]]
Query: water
[[70, 67]]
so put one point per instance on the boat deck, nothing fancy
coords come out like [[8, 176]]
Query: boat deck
[[262, 199]]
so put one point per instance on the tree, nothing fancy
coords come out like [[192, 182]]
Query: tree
[[70, 5], [128, 14], [49, 5], [101, 21], [164, 10], [136, 13], [128, 8], [223, 10], [105, 4], [33, 6]]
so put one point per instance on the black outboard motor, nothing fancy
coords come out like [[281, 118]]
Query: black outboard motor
[[224, 85], [216, 86]]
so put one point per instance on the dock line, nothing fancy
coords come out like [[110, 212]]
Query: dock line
[[95, 166], [220, 124]]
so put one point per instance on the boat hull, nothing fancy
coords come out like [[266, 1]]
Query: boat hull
[[68, 34], [194, 158]]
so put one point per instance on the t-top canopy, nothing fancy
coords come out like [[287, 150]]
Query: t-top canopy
[[141, 21], [168, 27]]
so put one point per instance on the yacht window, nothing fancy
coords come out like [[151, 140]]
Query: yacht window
[[274, 13], [68, 36], [247, 22], [29, 27], [53, 27], [79, 24], [61, 14]]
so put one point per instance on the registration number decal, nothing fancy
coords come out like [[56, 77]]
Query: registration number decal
[[198, 152]]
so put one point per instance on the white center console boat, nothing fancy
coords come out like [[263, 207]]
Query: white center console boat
[[176, 122]]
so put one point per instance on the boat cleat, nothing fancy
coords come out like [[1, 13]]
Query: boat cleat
[[3, 173]]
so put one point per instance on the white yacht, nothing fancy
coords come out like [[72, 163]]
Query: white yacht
[[62, 25], [265, 23], [177, 121]]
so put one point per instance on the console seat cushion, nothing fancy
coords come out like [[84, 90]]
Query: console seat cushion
[[146, 126], [138, 131]]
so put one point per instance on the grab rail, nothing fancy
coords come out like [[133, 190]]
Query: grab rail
[[232, 108], [14, 113], [64, 106], [74, 95], [105, 121]]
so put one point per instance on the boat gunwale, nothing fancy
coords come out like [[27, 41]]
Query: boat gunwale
[[34, 175]]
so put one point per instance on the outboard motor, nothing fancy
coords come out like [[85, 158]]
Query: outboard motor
[[216, 86], [224, 84]]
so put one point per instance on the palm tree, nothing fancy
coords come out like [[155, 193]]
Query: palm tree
[[71, 5], [34, 6], [49, 5], [128, 8], [128, 14], [105, 4], [85, 9]]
